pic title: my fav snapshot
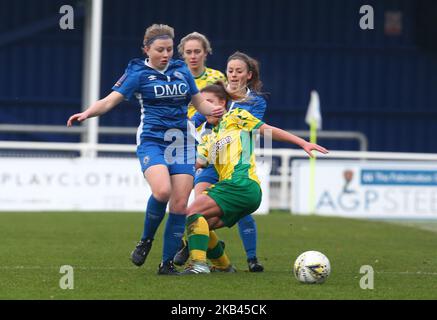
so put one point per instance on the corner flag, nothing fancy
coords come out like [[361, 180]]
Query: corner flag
[[313, 117]]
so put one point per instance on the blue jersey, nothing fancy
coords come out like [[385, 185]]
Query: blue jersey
[[254, 103], [163, 97]]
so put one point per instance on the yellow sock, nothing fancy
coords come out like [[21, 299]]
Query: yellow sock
[[216, 253], [198, 237]]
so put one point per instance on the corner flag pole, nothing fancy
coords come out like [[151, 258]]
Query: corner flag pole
[[314, 120], [312, 193]]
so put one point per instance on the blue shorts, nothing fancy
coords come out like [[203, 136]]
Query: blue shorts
[[178, 160], [208, 174]]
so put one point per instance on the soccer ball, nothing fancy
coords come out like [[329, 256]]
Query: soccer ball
[[312, 267]]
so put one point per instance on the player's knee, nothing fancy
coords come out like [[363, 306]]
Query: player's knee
[[197, 193], [179, 206], [193, 209], [162, 193], [190, 211]]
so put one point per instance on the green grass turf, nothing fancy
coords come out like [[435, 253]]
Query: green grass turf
[[33, 247]]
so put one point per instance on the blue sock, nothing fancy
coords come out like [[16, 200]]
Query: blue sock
[[174, 230], [248, 234], [155, 212]]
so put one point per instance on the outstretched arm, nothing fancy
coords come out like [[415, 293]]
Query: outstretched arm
[[97, 108], [284, 136]]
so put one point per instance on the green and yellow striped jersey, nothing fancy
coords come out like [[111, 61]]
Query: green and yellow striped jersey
[[209, 76], [230, 146]]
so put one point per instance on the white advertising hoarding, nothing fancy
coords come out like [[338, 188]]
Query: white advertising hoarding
[[38, 184], [383, 189], [35, 184]]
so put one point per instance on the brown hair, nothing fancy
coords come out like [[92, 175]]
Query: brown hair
[[195, 36], [254, 83], [157, 31], [219, 90]]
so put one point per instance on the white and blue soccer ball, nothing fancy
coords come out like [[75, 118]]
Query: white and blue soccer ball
[[312, 267]]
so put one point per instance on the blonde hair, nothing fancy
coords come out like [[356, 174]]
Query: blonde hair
[[195, 36], [157, 31]]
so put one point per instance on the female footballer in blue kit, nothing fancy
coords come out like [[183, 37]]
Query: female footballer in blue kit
[[163, 87], [243, 77]]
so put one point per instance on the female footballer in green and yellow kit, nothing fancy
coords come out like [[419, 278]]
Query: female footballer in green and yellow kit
[[230, 148]]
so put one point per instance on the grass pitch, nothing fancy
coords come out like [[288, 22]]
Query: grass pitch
[[33, 247]]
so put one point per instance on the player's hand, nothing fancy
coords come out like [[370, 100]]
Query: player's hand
[[217, 111], [79, 117], [308, 147]]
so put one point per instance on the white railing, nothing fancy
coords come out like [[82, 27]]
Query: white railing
[[280, 177]]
